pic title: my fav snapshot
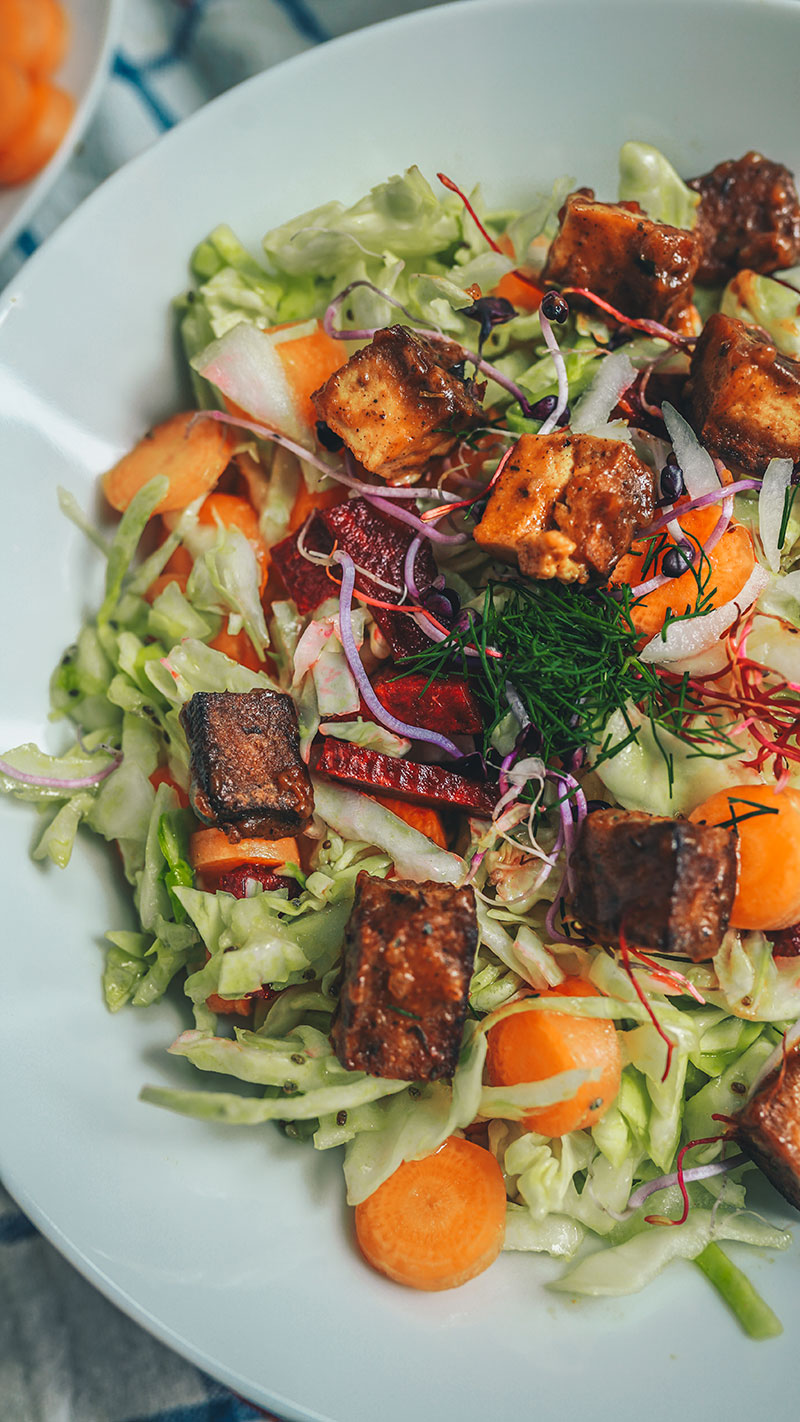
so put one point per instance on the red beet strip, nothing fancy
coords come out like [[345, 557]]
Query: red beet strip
[[389, 775]]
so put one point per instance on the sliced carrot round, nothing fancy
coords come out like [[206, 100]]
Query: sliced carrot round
[[211, 852], [232, 511], [767, 826], [731, 563], [33, 144], [436, 1223], [53, 38], [531, 1046], [16, 101], [193, 453]]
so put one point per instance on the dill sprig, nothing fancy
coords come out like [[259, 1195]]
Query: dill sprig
[[571, 655]]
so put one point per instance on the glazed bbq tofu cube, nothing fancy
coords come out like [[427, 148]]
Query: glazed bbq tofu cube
[[567, 506], [643, 268], [769, 1128], [247, 774], [744, 395], [399, 401], [408, 959], [667, 884], [749, 216]]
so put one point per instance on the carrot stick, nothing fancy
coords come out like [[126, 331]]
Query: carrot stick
[[33, 144], [532, 1046], [192, 453], [420, 817], [211, 852], [437, 1222]]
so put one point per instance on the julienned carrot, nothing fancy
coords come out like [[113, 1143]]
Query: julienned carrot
[[532, 1046], [766, 822], [191, 452], [437, 1222], [231, 511], [33, 144], [239, 648], [420, 817], [731, 563], [16, 100], [307, 502], [211, 852], [308, 361]]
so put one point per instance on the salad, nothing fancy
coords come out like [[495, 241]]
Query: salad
[[443, 709]]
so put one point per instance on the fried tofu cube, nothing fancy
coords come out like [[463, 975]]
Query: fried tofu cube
[[744, 395], [769, 1127], [399, 401], [567, 506], [668, 885], [408, 959], [247, 774], [643, 268], [749, 216]]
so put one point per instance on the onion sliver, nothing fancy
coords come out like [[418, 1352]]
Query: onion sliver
[[696, 634], [697, 466], [771, 502]]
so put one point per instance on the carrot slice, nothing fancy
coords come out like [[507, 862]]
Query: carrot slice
[[34, 143], [53, 38], [767, 827], [531, 1046], [308, 361], [307, 502], [522, 294], [231, 511], [210, 851], [163, 581], [16, 101], [732, 562], [193, 453], [436, 1223], [420, 817], [239, 648]]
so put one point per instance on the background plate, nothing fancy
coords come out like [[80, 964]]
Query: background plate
[[235, 1246], [95, 25]]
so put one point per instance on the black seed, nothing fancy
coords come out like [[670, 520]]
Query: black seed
[[341, 1118], [676, 560], [739, 1087], [328, 437], [672, 485], [554, 307], [298, 1058]]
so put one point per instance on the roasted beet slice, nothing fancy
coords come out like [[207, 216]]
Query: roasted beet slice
[[305, 582], [390, 775], [769, 1127], [235, 881], [445, 704], [378, 544]]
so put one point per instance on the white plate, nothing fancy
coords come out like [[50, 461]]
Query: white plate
[[235, 1246], [94, 27]]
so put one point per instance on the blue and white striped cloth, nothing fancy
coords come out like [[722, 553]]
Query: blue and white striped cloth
[[66, 1354]]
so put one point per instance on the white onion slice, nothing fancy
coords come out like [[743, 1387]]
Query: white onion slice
[[697, 634], [245, 366], [697, 466], [615, 374], [771, 503]]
